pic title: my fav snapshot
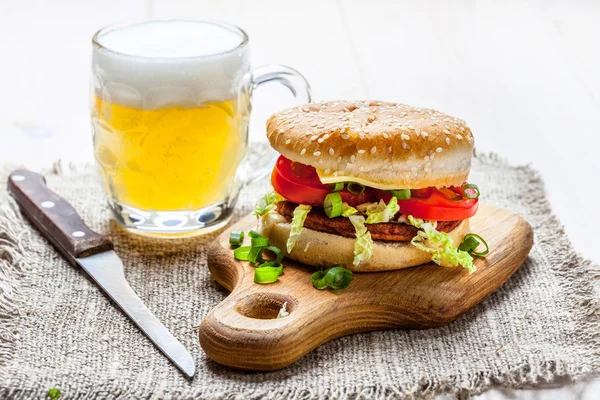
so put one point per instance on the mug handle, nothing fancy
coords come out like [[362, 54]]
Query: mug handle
[[260, 159]]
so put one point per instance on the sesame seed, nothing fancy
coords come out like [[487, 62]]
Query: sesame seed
[[439, 149], [281, 131], [335, 173], [331, 151], [404, 136], [313, 138], [345, 136], [314, 124], [448, 140], [302, 152], [446, 131], [327, 171], [459, 137], [352, 158], [462, 129], [361, 151], [405, 145], [321, 140], [288, 141], [424, 134], [389, 149], [373, 149], [317, 153], [362, 135], [339, 159]]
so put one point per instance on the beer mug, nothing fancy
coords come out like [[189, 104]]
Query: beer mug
[[170, 109]]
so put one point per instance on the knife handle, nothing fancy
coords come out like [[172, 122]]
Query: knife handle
[[54, 217]]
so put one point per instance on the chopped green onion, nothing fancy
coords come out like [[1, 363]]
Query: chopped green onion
[[336, 187], [338, 277], [277, 251], [468, 191], [254, 256], [471, 242], [401, 194], [54, 393], [271, 264], [317, 280], [267, 274], [242, 253], [236, 238], [254, 234], [355, 188], [333, 205], [259, 241], [335, 278]]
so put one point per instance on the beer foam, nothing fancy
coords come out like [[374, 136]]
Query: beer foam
[[161, 64]]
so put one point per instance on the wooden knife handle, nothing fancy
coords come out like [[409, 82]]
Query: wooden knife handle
[[54, 217]]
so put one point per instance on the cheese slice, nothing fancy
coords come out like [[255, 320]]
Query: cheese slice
[[330, 178]]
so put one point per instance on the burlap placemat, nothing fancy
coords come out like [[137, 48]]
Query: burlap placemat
[[57, 329]]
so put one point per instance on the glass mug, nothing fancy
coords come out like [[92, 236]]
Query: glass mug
[[170, 109]]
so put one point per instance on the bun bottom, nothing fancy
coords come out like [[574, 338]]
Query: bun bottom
[[325, 249]]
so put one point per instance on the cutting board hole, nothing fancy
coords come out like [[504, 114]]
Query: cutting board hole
[[264, 305]]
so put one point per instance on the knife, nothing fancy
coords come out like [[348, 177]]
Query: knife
[[58, 222]]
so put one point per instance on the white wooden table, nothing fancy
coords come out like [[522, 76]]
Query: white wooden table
[[524, 75]]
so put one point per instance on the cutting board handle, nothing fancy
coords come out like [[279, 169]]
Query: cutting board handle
[[54, 217]]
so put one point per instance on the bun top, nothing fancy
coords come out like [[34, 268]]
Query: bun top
[[379, 144]]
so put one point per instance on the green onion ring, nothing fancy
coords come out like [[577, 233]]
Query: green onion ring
[[338, 277], [254, 256], [277, 251], [259, 241], [335, 278], [469, 244], [236, 238], [337, 187], [267, 274], [254, 234], [355, 188], [470, 186], [241, 253], [317, 280], [477, 238], [403, 194], [333, 205]]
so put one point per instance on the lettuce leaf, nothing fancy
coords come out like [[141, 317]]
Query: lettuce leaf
[[297, 223], [348, 210], [267, 203], [363, 246], [382, 212], [440, 245]]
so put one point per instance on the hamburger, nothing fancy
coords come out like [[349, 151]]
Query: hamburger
[[371, 186]]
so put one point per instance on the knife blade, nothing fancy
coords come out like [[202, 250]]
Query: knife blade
[[62, 226]]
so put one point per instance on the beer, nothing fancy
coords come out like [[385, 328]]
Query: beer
[[170, 105], [173, 158]]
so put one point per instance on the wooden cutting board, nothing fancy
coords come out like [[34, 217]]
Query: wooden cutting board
[[243, 331]]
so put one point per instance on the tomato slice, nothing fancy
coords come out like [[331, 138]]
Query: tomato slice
[[300, 184], [444, 204]]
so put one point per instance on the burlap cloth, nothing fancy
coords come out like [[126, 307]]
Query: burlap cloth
[[57, 329]]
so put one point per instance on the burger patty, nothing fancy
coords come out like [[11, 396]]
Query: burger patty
[[389, 231]]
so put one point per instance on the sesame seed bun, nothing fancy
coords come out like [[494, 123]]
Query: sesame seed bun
[[325, 249], [379, 144]]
